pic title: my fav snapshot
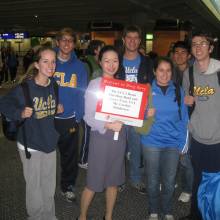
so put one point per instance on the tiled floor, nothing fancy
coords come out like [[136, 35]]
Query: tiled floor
[[130, 205]]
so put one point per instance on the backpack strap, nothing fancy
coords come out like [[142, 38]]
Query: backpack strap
[[191, 81], [28, 103], [56, 92], [178, 98], [191, 90], [27, 97], [218, 75]]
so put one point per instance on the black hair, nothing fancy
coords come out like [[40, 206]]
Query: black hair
[[106, 49], [131, 28], [94, 45], [177, 98], [181, 44], [161, 59]]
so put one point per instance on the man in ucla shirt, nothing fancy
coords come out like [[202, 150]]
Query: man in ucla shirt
[[71, 77], [204, 124], [137, 68]]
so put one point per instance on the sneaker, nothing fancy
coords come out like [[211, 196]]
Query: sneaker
[[168, 217], [140, 187], [121, 188], [83, 165], [128, 155], [69, 195], [153, 216], [184, 197]]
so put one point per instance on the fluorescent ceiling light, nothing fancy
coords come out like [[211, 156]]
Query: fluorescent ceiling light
[[214, 7]]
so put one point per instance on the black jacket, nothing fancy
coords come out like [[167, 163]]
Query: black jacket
[[145, 70]]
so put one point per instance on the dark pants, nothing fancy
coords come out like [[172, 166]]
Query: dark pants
[[13, 72], [84, 150], [204, 158], [68, 147]]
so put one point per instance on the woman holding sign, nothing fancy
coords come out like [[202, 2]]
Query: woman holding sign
[[165, 141], [106, 155]]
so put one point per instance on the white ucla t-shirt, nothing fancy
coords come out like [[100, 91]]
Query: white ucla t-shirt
[[131, 68]]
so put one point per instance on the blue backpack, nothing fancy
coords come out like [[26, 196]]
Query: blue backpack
[[209, 196]]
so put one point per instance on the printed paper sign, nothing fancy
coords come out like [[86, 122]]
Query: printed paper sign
[[123, 101]]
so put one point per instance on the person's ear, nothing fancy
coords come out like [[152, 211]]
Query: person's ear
[[36, 65], [189, 56], [211, 48]]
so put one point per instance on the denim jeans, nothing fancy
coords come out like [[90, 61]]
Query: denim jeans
[[134, 147], [161, 167], [186, 172]]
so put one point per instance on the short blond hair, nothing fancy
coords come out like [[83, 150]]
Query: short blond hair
[[66, 31]]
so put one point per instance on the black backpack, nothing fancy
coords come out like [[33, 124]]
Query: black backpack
[[191, 87], [10, 127]]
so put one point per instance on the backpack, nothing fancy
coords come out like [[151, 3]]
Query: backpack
[[191, 87], [208, 196], [10, 127]]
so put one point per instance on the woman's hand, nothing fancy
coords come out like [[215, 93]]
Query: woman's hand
[[151, 112], [27, 112], [60, 108], [114, 126]]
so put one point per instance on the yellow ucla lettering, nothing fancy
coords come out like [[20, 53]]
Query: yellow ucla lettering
[[73, 81], [61, 81], [203, 91], [44, 108]]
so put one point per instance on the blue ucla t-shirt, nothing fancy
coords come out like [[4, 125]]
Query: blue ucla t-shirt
[[131, 68]]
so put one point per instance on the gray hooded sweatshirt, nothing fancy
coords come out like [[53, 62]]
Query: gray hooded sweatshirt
[[204, 123]]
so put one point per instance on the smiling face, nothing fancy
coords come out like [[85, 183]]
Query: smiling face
[[66, 45], [163, 73], [46, 64], [181, 56], [132, 41], [201, 48], [109, 63]]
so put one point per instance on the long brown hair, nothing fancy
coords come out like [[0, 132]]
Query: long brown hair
[[32, 70]]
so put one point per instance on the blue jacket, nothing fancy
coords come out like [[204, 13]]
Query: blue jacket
[[71, 77], [168, 129]]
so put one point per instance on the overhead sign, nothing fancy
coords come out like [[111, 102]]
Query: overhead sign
[[122, 101], [17, 35]]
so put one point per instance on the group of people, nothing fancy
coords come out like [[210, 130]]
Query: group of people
[[9, 65], [169, 133]]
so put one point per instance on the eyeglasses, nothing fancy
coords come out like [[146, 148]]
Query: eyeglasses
[[200, 44], [65, 40]]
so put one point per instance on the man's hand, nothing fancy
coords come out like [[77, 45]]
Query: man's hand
[[189, 100]]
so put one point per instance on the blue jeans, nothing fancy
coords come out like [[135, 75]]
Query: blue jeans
[[186, 172], [161, 167], [134, 147]]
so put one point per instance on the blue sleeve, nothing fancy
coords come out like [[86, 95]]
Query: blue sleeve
[[12, 104], [183, 129], [82, 85]]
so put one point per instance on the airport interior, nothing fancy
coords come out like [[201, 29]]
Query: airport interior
[[28, 24]]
